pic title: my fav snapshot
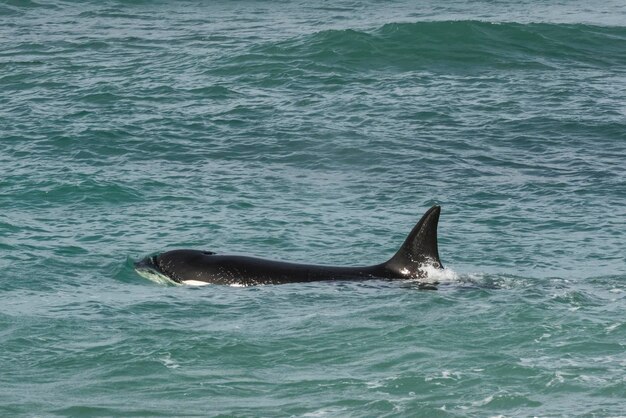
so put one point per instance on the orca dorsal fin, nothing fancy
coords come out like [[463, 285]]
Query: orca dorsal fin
[[419, 248]]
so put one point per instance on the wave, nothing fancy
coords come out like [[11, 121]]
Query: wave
[[443, 44]]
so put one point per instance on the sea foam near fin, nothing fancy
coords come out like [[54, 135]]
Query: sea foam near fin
[[434, 274]]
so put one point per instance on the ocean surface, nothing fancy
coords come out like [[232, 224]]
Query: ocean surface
[[318, 132]]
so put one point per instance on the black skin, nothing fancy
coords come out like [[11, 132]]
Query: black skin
[[419, 248]]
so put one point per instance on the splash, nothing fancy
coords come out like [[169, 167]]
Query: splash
[[156, 277], [430, 273]]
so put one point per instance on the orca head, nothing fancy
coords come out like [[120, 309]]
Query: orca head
[[178, 265], [149, 269], [419, 250]]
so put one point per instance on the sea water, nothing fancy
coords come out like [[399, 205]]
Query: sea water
[[317, 132]]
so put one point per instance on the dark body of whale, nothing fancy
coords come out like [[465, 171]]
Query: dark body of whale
[[200, 267]]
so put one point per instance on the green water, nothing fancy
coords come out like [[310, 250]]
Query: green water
[[314, 132]]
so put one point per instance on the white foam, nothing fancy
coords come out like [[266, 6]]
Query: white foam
[[374, 384], [433, 274], [325, 412], [445, 374], [612, 327], [155, 276], [558, 378], [194, 283], [169, 362], [483, 402]]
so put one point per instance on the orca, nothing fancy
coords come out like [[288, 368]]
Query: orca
[[195, 267]]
